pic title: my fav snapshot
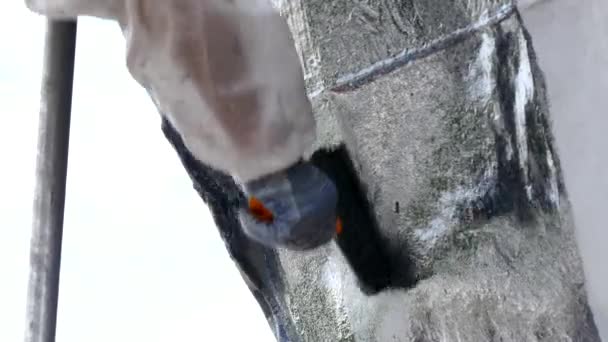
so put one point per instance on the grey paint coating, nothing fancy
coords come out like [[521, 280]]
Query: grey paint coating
[[571, 39], [460, 137]]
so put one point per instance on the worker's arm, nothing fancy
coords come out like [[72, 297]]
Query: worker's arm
[[68, 9], [224, 72], [226, 75]]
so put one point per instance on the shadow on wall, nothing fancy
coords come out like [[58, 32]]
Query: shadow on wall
[[376, 265], [571, 41]]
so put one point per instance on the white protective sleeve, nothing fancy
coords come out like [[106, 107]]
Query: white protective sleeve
[[225, 73]]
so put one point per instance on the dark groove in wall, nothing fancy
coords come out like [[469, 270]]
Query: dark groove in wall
[[376, 266]]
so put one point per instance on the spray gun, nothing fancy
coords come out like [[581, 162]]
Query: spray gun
[[315, 202], [294, 208]]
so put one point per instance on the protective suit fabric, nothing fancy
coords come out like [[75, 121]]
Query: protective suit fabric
[[225, 73]]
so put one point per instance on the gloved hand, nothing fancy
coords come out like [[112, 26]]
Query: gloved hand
[[294, 208]]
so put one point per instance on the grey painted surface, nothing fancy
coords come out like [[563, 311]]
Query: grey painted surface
[[571, 39], [450, 140]]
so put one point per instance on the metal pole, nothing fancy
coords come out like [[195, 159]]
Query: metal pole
[[51, 172]]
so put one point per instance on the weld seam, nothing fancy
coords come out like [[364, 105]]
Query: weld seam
[[353, 81]]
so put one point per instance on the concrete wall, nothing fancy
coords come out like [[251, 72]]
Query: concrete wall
[[456, 176]]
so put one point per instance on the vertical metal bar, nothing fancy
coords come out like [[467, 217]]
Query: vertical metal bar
[[51, 172]]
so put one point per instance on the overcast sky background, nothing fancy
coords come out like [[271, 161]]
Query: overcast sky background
[[142, 259]]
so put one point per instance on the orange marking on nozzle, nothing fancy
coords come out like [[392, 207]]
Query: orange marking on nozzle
[[339, 227], [259, 211]]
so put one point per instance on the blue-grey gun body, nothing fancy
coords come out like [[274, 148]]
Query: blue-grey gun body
[[302, 200]]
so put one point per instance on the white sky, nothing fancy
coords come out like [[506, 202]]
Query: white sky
[[142, 259]]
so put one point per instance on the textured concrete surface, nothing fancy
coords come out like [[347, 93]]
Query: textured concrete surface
[[436, 127], [571, 39]]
